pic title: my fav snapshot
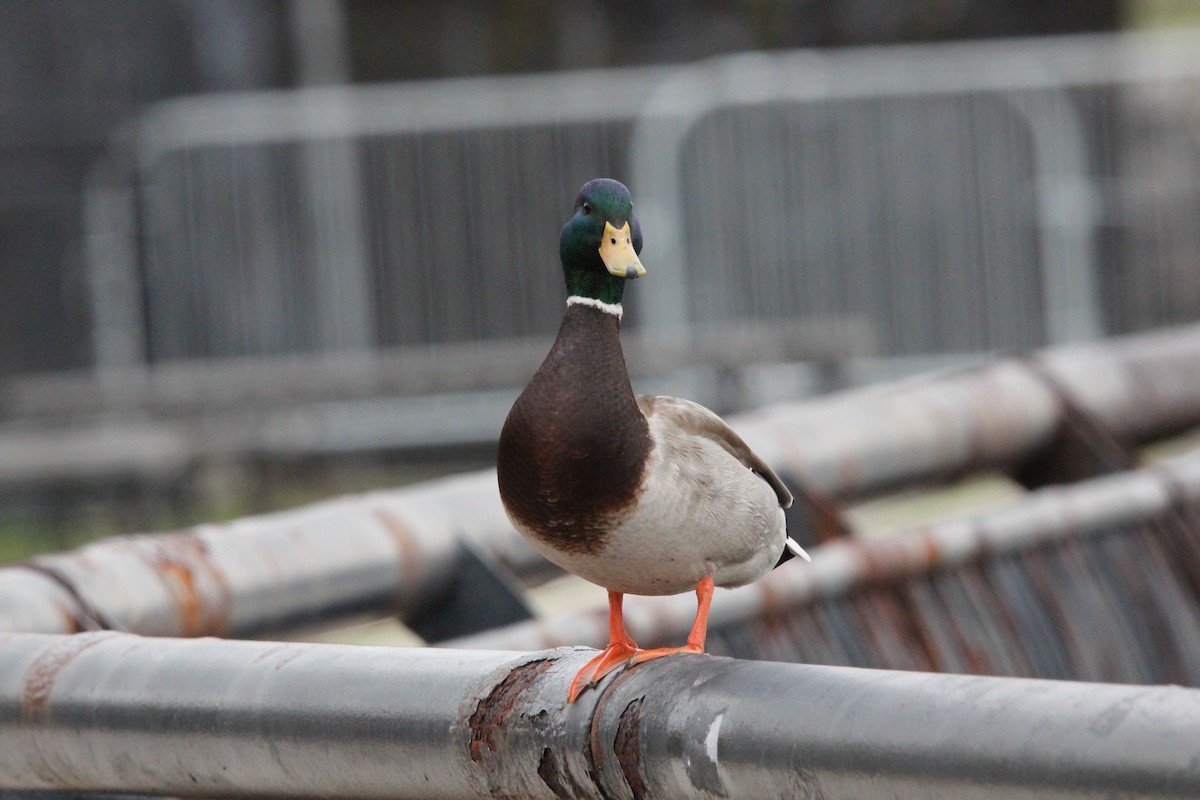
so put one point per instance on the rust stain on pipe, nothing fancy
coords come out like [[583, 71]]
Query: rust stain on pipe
[[921, 636], [557, 778], [410, 554], [70, 620], [80, 617], [182, 562], [627, 748], [45, 669], [183, 585], [551, 773], [491, 715]]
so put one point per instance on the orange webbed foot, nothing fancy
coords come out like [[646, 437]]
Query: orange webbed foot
[[643, 656], [611, 657], [621, 649]]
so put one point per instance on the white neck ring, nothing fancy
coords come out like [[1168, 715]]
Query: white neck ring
[[608, 308]]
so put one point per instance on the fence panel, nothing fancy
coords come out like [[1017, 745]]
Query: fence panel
[[961, 198]]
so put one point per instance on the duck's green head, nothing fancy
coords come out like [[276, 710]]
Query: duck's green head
[[599, 245]]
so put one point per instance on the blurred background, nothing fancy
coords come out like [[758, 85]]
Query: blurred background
[[255, 252]]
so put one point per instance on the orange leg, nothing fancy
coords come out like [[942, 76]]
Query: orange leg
[[695, 640], [620, 648]]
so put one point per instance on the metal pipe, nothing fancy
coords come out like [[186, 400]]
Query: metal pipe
[[210, 718], [942, 426], [375, 551], [1141, 387], [394, 550], [927, 428]]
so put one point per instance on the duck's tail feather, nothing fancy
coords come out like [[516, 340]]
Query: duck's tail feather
[[792, 548], [796, 550]]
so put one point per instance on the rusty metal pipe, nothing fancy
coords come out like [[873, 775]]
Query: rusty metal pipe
[[929, 428], [943, 426], [210, 718], [31, 600], [388, 550], [392, 550], [1140, 387]]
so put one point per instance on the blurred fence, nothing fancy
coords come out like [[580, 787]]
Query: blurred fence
[[292, 274], [959, 198]]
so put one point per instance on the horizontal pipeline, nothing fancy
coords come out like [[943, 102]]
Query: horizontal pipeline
[[106, 712], [394, 550], [376, 551], [943, 426]]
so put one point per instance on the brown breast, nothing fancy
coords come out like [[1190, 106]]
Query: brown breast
[[573, 450]]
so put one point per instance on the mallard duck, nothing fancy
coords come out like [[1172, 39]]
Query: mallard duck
[[639, 494]]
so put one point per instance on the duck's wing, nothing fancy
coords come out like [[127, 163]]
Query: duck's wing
[[696, 420]]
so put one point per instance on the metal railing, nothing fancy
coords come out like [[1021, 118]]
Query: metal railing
[[206, 718], [200, 411], [253, 205], [954, 196]]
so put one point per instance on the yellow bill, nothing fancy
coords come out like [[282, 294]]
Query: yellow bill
[[616, 250]]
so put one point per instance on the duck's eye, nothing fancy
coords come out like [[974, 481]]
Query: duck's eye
[[587, 208]]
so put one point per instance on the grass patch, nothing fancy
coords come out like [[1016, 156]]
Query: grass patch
[[20, 540], [1150, 14]]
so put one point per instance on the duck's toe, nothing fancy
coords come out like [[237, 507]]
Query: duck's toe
[[660, 652], [611, 657]]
